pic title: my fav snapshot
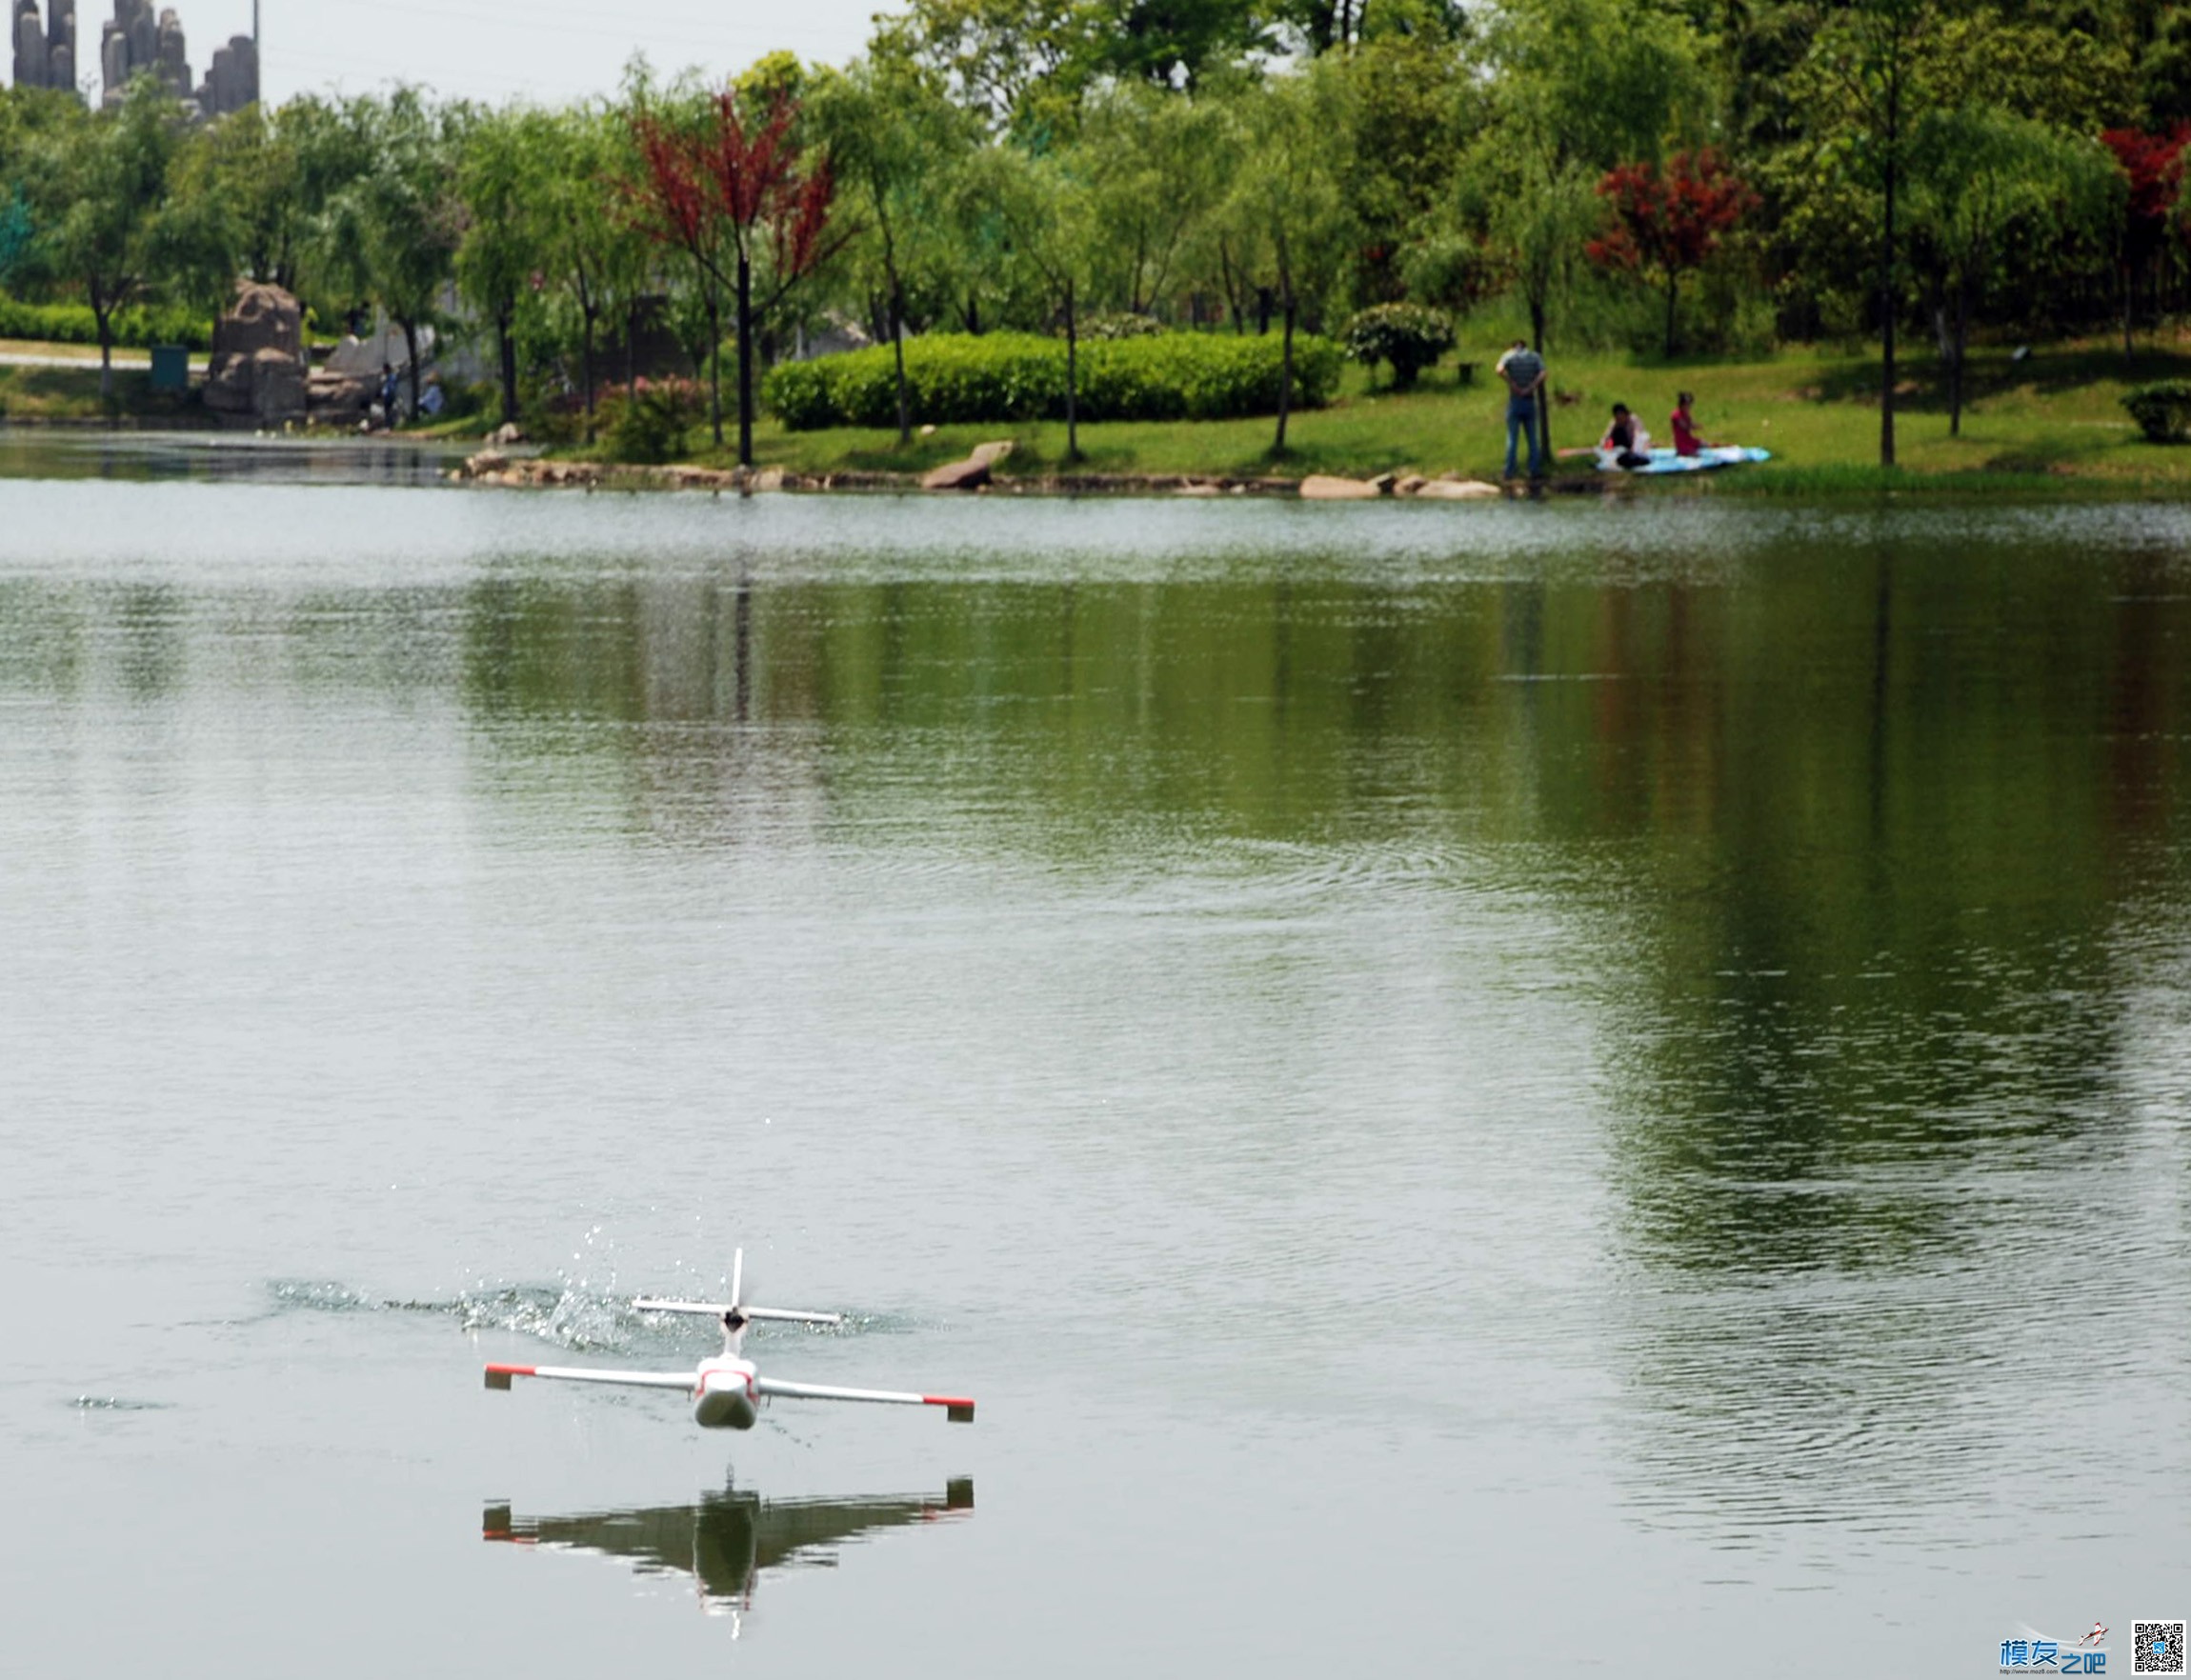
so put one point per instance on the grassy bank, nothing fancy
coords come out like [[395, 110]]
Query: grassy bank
[[70, 396], [2053, 420]]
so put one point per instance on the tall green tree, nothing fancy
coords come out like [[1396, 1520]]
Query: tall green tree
[[507, 206], [103, 178], [1049, 230], [391, 232], [1980, 177], [1866, 87], [899, 148], [1289, 207]]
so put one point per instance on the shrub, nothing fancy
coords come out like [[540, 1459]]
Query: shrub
[[2162, 411], [649, 425], [136, 327], [1119, 326], [1407, 335], [1016, 376]]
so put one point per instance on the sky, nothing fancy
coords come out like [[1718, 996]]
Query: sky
[[496, 50]]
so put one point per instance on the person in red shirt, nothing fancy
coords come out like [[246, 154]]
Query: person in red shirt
[[1686, 442]]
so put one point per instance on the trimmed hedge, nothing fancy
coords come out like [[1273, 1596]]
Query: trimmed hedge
[[136, 328], [1006, 376], [2162, 411]]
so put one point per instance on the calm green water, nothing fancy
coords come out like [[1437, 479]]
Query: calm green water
[[1472, 1089]]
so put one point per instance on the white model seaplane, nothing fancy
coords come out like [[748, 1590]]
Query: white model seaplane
[[727, 1390]]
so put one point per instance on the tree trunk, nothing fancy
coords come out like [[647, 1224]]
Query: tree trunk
[[1672, 283], [745, 361], [1285, 374], [105, 318], [586, 319], [1887, 310], [507, 343], [632, 352], [1263, 312], [411, 349], [1536, 324], [897, 346], [1072, 378], [715, 364], [974, 314], [2130, 292], [1955, 365]]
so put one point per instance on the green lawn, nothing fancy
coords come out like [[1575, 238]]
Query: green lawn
[[72, 395], [2053, 417]]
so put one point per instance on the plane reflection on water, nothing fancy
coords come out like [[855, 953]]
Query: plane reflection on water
[[728, 1539]]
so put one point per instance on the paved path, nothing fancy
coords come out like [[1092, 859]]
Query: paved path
[[125, 360]]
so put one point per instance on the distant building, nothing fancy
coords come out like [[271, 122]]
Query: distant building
[[132, 41], [45, 53], [232, 78]]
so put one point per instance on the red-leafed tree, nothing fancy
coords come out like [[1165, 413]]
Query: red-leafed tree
[[738, 196], [2154, 165], [1669, 221]]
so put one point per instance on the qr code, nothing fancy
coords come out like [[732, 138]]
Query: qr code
[[2157, 1648]]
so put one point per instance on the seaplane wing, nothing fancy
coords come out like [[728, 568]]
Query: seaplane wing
[[498, 1376], [957, 1408]]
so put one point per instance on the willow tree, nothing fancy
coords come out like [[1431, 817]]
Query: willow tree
[[1289, 206], [900, 147]]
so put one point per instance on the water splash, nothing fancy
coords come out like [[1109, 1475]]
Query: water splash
[[571, 1315]]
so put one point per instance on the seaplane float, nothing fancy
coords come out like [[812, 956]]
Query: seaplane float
[[727, 1390]]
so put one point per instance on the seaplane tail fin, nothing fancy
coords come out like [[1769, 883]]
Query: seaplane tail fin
[[717, 1308], [957, 1408], [498, 1376]]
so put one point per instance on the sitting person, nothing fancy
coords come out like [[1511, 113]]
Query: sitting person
[[1686, 442], [1625, 443]]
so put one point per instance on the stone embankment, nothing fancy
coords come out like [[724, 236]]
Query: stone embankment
[[495, 466]]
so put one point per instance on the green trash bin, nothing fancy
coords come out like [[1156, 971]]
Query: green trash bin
[[171, 368]]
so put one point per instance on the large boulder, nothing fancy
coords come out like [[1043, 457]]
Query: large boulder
[[1320, 486], [257, 367], [957, 476], [277, 386], [1465, 490], [262, 318]]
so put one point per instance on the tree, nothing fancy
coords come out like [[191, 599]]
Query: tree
[[1864, 71], [899, 143], [1670, 221], [391, 232], [1156, 165], [1287, 197], [1018, 63], [735, 192], [103, 176], [1978, 176], [1044, 203], [1582, 84], [2152, 170], [593, 262], [508, 204]]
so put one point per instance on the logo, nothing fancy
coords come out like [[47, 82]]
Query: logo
[[2029, 1652]]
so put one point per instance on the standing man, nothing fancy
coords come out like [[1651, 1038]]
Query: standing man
[[1523, 371]]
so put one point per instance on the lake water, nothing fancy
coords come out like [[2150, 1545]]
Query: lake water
[[1478, 1089]]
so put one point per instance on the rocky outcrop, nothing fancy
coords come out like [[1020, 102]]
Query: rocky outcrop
[[970, 473], [1320, 486], [1464, 490], [257, 368]]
